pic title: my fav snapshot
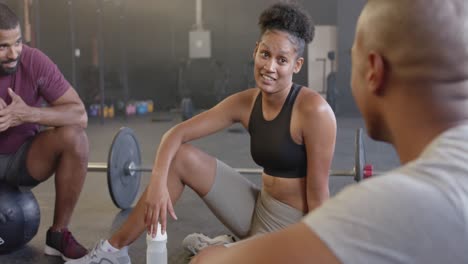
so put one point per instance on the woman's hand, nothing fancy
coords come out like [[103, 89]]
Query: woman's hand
[[157, 203]]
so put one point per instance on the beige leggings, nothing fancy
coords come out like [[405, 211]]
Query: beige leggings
[[245, 209]]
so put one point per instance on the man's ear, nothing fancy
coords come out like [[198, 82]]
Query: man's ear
[[376, 72], [298, 64]]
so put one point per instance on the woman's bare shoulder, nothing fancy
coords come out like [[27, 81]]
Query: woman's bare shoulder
[[309, 99]]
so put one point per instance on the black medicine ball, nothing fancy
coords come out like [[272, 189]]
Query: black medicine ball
[[19, 217]]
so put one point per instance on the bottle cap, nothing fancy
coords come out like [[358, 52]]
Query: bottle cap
[[159, 236]]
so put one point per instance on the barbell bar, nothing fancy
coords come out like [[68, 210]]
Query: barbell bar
[[102, 167], [124, 167]]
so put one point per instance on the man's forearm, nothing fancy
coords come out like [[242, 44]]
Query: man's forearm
[[58, 115], [296, 244]]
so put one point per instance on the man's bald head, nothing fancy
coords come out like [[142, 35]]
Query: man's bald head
[[420, 40]]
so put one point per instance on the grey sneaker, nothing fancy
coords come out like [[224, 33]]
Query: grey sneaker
[[195, 242], [98, 256]]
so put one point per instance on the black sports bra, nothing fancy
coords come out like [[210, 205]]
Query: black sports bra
[[271, 145]]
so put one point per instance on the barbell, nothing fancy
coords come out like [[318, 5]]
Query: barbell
[[124, 167]]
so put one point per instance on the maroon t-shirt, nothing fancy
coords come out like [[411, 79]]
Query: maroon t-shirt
[[36, 78]]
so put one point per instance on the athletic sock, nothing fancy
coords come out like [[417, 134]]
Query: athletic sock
[[107, 247]]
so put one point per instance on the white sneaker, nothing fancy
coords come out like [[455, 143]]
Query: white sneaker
[[98, 255], [195, 242]]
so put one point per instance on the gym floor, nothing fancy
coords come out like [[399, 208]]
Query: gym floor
[[96, 216]]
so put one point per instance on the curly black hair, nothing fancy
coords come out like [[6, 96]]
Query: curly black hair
[[8, 19], [291, 18]]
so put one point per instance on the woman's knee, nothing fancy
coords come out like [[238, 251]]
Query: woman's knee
[[186, 157], [194, 168]]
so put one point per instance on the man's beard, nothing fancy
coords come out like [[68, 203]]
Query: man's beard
[[8, 71]]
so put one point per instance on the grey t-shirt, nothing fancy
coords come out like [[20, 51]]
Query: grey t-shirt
[[417, 213]]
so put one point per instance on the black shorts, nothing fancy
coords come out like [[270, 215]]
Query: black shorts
[[13, 168]]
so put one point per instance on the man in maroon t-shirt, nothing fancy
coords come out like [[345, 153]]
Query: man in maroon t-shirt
[[29, 156]]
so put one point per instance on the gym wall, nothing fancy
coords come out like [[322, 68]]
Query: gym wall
[[155, 40], [348, 12]]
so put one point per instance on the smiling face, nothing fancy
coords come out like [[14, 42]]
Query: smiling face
[[11, 46], [276, 61]]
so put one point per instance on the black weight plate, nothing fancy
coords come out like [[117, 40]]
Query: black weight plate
[[123, 186]]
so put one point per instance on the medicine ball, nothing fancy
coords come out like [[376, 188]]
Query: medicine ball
[[19, 217]]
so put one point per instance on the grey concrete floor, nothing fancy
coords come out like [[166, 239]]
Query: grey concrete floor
[[96, 216]]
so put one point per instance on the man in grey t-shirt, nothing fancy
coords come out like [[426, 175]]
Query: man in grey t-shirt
[[410, 82]]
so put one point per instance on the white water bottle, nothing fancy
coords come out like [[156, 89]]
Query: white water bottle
[[156, 250]]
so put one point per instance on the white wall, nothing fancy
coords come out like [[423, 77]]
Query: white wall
[[325, 40]]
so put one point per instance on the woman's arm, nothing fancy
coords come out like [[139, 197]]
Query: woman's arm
[[232, 109], [319, 135]]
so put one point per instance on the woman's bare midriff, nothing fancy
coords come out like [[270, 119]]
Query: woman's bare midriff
[[291, 191]]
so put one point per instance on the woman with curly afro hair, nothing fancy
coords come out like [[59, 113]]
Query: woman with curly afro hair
[[292, 131]]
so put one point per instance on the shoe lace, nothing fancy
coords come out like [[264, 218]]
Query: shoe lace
[[94, 252]]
